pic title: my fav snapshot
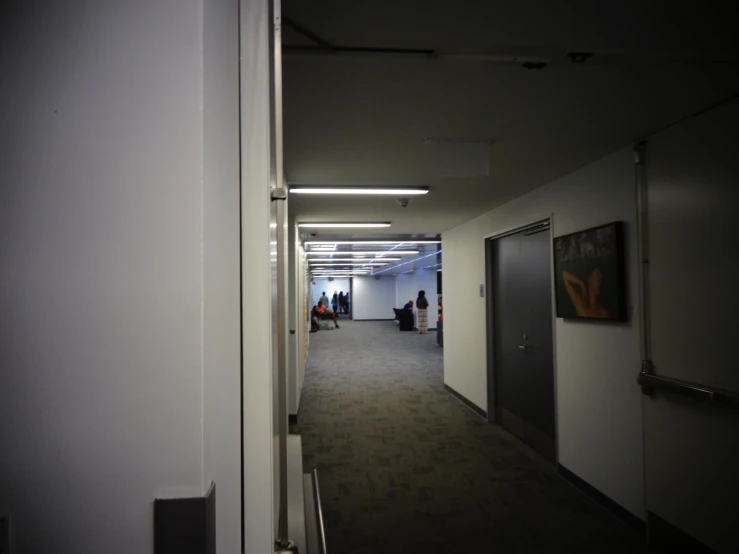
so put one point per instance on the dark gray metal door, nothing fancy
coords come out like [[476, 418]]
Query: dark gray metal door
[[522, 337]]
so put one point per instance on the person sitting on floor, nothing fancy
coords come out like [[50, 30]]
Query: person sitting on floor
[[321, 312]]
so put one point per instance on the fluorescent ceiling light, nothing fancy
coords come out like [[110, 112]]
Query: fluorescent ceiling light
[[389, 191], [336, 270], [357, 259], [368, 253], [343, 264], [348, 225], [317, 244]]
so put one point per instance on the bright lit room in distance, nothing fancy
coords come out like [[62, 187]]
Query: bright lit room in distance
[[377, 268]]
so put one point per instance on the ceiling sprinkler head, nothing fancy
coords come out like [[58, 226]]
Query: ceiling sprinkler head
[[404, 202]]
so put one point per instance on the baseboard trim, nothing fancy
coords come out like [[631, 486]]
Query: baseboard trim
[[475, 408], [382, 319], [607, 502], [186, 525], [663, 534]]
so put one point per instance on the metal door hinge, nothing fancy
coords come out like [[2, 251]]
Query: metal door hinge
[[278, 194]]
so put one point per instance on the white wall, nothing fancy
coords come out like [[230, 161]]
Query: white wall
[[598, 404], [101, 210], [405, 288], [258, 333], [221, 304], [426, 281], [293, 308], [303, 315], [119, 283], [373, 298], [337, 285], [298, 318]]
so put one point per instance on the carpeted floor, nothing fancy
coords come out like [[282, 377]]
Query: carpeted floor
[[405, 467]]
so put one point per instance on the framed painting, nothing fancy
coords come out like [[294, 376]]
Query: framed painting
[[589, 274]]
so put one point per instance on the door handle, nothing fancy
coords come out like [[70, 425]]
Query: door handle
[[524, 346]]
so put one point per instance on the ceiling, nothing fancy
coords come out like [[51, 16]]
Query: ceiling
[[363, 119]]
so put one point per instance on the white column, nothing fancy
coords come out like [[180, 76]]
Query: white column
[[259, 503]]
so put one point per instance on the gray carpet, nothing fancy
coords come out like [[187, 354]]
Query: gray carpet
[[405, 467]]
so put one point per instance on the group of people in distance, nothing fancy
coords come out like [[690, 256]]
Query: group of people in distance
[[339, 301], [321, 312]]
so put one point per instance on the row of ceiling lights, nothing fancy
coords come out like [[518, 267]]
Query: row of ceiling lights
[[365, 252], [327, 265], [330, 266], [371, 191], [324, 258]]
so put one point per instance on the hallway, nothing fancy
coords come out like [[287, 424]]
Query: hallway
[[404, 467]]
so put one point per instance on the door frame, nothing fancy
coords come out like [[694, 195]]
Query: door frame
[[490, 320]]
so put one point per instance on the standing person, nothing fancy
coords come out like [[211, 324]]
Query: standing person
[[335, 302], [346, 303], [323, 300], [341, 302], [422, 304]]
